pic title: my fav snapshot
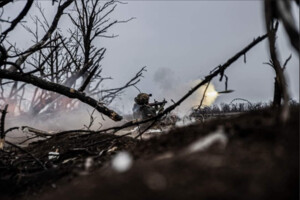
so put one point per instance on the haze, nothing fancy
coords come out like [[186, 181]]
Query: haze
[[181, 41]]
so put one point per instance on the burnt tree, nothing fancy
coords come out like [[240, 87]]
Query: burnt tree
[[61, 62], [275, 11]]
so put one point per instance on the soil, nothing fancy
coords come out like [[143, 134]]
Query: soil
[[258, 158]]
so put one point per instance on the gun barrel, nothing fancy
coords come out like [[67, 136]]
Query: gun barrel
[[158, 103]]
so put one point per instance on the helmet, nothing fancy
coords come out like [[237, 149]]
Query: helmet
[[142, 98]]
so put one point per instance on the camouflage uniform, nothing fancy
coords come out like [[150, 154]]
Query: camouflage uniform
[[141, 108]]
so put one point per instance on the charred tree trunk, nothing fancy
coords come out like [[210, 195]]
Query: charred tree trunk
[[277, 94], [2, 130], [270, 17]]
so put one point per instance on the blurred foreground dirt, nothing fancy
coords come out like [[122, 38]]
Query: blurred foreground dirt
[[252, 157]]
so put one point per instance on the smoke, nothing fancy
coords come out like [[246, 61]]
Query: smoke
[[210, 95], [51, 120], [171, 87], [165, 78], [79, 118], [64, 120], [195, 99]]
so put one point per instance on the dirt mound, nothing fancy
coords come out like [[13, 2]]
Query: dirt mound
[[250, 156]]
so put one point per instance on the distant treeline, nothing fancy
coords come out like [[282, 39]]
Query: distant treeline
[[234, 107]]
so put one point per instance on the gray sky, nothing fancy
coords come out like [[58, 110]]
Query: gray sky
[[190, 38], [181, 41]]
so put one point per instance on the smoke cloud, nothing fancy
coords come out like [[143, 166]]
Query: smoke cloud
[[171, 87], [79, 118], [165, 78]]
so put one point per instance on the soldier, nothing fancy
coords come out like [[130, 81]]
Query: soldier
[[142, 109]]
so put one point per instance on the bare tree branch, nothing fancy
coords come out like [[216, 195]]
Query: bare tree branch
[[4, 2], [285, 14], [66, 91], [17, 20], [286, 62], [204, 93], [47, 35]]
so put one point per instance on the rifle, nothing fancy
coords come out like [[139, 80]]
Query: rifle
[[158, 103], [158, 106]]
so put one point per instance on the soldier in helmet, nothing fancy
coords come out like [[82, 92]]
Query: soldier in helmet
[[142, 109]]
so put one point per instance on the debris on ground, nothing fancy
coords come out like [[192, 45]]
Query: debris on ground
[[249, 156]]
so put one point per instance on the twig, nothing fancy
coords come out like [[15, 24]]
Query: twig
[[107, 140], [10, 129], [226, 82], [241, 99], [203, 95], [30, 138], [286, 62], [27, 152], [92, 120], [147, 128]]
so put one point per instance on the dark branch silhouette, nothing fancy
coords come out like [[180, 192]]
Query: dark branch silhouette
[[66, 91]]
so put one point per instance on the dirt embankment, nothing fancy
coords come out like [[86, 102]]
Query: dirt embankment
[[245, 157]]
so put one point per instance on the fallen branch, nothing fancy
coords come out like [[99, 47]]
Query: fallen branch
[[36, 131], [11, 129], [107, 140], [30, 138], [63, 90], [146, 129], [42, 133]]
